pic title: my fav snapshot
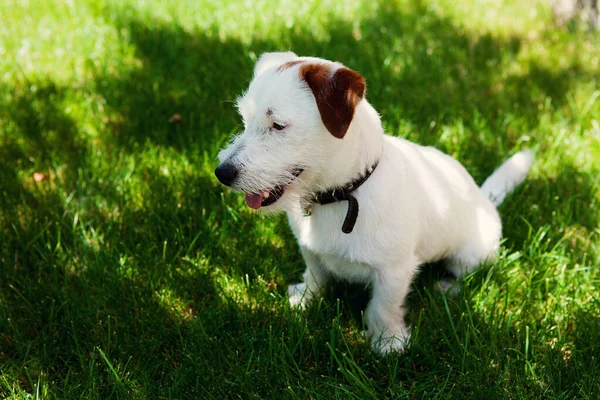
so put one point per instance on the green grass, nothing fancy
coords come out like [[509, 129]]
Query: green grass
[[129, 272]]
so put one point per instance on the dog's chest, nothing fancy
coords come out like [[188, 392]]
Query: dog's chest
[[349, 256], [346, 269], [321, 232]]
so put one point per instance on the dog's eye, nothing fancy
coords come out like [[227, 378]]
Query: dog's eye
[[277, 126]]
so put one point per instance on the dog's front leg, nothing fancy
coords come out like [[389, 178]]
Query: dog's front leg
[[384, 315], [315, 277]]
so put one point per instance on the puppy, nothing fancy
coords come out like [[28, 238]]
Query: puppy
[[364, 206]]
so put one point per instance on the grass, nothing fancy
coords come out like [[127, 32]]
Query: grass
[[126, 271]]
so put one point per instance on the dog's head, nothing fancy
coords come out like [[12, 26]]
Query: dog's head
[[295, 112]]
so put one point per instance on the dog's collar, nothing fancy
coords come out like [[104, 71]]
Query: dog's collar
[[341, 194]]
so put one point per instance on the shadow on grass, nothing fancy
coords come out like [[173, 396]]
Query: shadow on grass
[[37, 131], [39, 123], [563, 201]]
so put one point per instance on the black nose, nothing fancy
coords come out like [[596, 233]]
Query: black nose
[[226, 174]]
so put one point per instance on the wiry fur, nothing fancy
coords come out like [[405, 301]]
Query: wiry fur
[[419, 204]]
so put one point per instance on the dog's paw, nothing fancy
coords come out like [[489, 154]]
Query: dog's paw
[[449, 286], [385, 344], [297, 295]]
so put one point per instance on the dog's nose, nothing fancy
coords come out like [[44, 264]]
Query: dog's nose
[[226, 174]]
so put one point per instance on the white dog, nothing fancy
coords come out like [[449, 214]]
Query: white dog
[[364, 206]]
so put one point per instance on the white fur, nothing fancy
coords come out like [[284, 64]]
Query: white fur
[[419, 205], [506, 178]]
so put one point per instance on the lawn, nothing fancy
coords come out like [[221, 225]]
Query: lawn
[[127, 271]]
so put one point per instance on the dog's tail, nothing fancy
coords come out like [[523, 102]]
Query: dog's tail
[[507, 177]]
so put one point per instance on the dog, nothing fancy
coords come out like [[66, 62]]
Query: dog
[[364, 206]]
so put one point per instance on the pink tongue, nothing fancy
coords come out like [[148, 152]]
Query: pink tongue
[[254, 200]]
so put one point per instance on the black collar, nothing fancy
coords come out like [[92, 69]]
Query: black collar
[[337, 194]]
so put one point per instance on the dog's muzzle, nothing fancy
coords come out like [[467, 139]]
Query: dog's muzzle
[[226, 174]]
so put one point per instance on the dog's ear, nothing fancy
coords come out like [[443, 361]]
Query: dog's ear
[[337, 94], [268, 60]]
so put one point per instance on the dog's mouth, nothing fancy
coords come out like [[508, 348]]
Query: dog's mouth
[[269, 196]]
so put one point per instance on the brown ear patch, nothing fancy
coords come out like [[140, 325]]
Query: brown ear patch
[[337, 94], [289, 64]]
